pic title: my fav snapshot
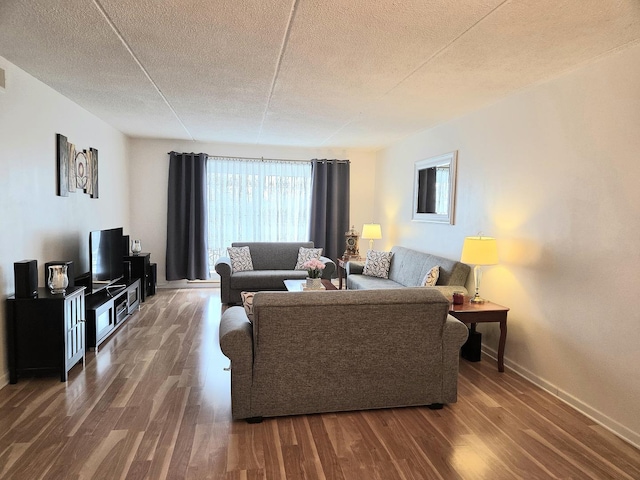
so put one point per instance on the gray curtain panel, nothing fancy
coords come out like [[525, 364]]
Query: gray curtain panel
[[329, 205], [187, 217]]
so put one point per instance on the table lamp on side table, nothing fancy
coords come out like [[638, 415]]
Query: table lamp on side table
[[479, 251], [371, 232]]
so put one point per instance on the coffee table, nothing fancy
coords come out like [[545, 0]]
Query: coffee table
[[473, 313], [294, 285]]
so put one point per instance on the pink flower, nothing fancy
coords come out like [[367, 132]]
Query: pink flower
[[314, 267]]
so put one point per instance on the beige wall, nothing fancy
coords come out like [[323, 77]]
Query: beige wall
[[552, 172], [35, 223], [150, 166]]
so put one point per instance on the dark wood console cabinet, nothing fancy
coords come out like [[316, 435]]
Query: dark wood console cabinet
[[46, 333], [142, 268], [108, 309]]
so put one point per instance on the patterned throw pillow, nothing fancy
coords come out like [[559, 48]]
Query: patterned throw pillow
[[306, 254], [240, 259], [247, 303], [377, 264], [431, 277]]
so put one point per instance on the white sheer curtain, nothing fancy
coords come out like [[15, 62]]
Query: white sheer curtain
[[442, 190], [256, 200]]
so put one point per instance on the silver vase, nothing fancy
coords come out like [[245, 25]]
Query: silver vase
[[58, 281]]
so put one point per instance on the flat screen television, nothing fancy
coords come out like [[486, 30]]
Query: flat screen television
[[105, 258]]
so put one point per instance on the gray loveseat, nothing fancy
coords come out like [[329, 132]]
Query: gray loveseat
[[408, 269], [273, 263], [328, 351]]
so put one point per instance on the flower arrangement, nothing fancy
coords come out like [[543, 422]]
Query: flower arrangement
[[314, 267]]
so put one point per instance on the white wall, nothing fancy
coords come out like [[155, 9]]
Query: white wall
[[552, 172], [35, 223], [150, 170]]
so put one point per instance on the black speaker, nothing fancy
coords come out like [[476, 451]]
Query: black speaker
[[125, 246], [127, 271], [26, 278], [70, 272], [153, 278], [472, 349]]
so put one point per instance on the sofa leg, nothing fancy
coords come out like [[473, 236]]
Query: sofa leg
[[435, 406], [254, 420]]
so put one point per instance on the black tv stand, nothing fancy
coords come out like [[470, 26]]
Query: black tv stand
[[107, 311]]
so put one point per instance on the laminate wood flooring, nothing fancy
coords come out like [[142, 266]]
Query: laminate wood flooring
[[154, 403]]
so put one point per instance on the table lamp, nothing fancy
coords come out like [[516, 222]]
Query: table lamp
[[371, 232], [478, 251]]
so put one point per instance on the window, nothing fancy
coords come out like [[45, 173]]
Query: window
[[256, 201]]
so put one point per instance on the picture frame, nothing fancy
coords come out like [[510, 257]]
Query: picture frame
[[75, 169], [434, 189]]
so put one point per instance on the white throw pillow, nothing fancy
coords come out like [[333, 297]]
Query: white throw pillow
[[377, 264], [306, 254], [431, 277], [240, 259], [247, 303]]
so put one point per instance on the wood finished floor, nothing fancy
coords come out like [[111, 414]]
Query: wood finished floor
[[154, 403]]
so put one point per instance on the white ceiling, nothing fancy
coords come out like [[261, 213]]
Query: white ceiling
[[316, 73]]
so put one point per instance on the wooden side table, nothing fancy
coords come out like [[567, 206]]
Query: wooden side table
[[474, 313], [341, 263]]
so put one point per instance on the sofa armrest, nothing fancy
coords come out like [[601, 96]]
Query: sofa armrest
[[454, 335], [223, 268], [354, 267], [329, 268], [236, 342]]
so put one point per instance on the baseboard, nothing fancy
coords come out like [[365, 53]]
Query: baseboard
[[600, 418], [189, 284]]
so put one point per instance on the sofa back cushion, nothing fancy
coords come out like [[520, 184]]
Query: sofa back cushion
[[410, 267], [274, 255]]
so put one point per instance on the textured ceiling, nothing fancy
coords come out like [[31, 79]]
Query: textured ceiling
[[316, 73]]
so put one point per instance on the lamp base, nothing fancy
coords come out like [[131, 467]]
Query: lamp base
[[477, 299]]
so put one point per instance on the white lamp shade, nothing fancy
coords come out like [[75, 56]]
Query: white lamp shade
[[371, 231], [479, 251]]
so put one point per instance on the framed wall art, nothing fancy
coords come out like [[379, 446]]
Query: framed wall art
[[76, 169], [434, 189]]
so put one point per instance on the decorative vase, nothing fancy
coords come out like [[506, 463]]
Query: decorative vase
[[58, 280], [314, 283], [136, 248]]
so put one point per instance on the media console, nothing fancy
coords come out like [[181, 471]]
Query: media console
[[106, 310], [52, 332]]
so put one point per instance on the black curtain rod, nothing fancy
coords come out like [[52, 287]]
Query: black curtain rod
[[262, 159]]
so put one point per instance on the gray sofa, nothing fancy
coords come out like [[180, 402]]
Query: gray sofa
[[408, 269], [273, 263], [328, 351]]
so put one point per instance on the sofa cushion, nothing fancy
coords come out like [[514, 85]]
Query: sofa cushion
[[259, 280], [431, 277], [364, 282], [306, 254], [410, 267], [274, 255], [240, 259], [377, 264], [247, 303]]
